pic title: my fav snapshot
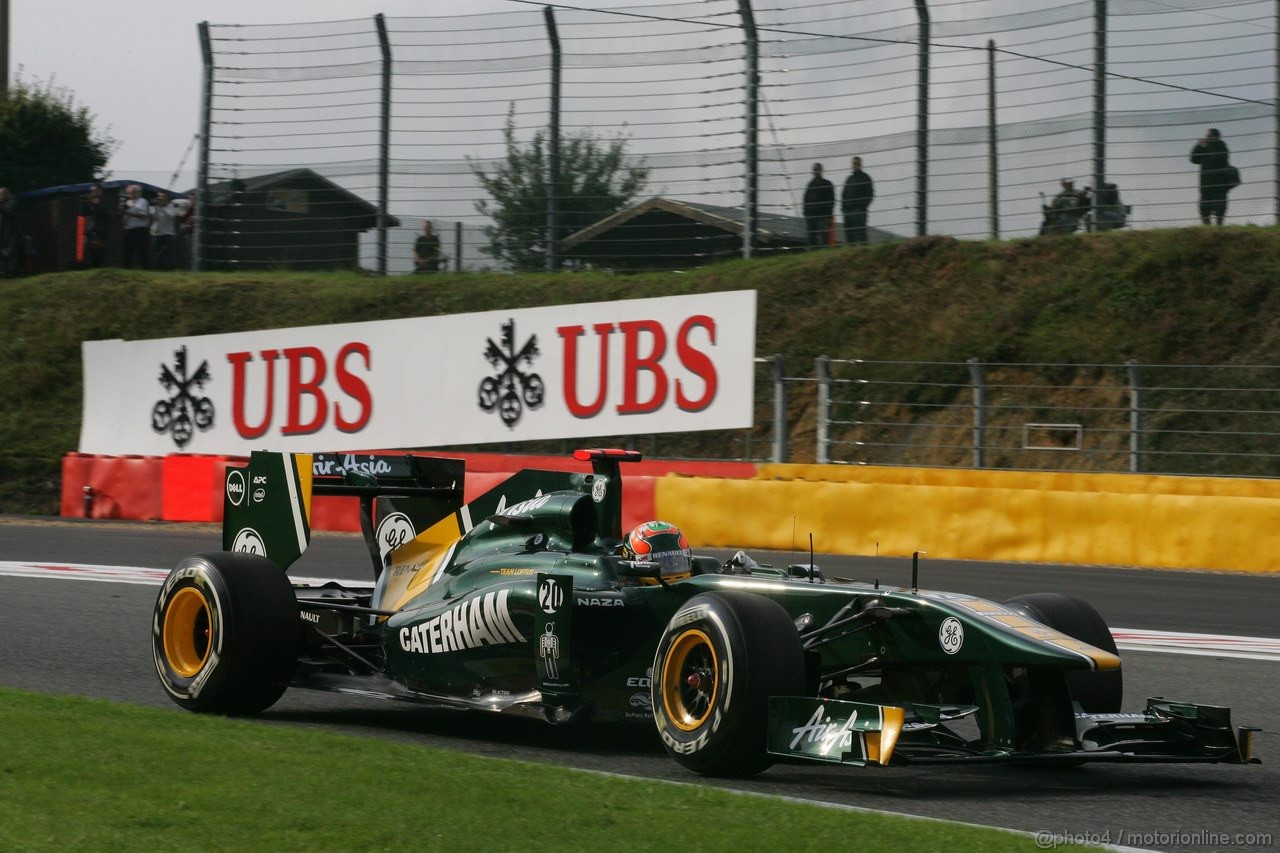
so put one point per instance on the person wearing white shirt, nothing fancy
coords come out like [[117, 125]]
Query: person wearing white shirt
[[164, 231], [137, 226]]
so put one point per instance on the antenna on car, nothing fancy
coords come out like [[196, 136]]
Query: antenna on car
[[793, 538], [810, 556], [915, 570]]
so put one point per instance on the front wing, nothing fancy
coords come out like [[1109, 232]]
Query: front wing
[[862, 734]]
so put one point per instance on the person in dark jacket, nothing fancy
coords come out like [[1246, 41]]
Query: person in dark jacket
[[93, 229], [819, 205], [1211, 155], [12, 245], [854, 201]]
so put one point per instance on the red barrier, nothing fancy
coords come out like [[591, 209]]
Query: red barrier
[[192, 485], [188, 487], [112, 487], [335, 513]]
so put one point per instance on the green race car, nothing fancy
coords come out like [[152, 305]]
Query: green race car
[[531, 600]]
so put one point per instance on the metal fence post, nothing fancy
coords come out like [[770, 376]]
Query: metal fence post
[[384, 142], [1135, 417], [200, 239], [993, 173], [777, 371], [1099, 103], [751, 134], [979, 413], [822, 367], [922, 124], [457, 246], [553, 146]]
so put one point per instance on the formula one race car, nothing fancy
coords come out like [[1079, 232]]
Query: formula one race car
[[521, 602]]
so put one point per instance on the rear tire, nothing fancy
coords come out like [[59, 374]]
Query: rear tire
[[1097, 692], [225, 633], [721, 657]]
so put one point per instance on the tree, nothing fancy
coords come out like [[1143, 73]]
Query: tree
[[47, 140], [594, 183]]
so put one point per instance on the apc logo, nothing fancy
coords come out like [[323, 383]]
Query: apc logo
[[235, 487]]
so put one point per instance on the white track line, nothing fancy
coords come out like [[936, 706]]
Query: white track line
[[1127, 639], [122, 574]]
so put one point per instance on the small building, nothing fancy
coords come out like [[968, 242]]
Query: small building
[[662, 233], [48, 217], [292, 219]]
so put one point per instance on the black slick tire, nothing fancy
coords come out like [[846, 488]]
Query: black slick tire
[[721, 656], [1097, 692], [225, 633]]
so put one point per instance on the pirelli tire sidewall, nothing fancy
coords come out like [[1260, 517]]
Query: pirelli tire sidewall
[[757, 654], [253, 633]]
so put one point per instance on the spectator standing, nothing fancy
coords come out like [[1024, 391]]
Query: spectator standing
[[93, 228], [136, 213], [819, 205], [12, 246], [164, 231], [426, 250], [1213, 158], [186, 222], [854, 201]]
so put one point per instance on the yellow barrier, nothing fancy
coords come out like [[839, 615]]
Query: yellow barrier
[[1108, 519]]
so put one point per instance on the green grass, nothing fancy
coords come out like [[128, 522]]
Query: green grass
[[1179, 296], [82, 774]]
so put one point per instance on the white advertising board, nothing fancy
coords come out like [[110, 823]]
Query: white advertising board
[[639, 366]]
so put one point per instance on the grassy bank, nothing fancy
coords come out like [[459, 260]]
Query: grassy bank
[[80, 774], [1192, 296]]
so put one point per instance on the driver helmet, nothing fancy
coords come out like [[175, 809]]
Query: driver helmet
[[662, 543]]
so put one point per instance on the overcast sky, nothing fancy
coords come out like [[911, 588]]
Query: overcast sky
[[136, 63]]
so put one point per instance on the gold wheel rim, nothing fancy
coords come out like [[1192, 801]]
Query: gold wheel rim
[[690, 680], [186, 631]]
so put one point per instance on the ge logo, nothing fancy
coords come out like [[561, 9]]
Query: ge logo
[[248, 541], [550, 596], [597, 491], [951, 635], [393, 531]]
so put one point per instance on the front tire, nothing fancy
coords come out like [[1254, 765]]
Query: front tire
[[1097, 692], [225, 633], [721, 657]]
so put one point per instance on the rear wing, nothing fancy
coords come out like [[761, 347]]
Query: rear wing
[[267, 505]]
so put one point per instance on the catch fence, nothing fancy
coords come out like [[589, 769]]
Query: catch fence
[[330, 143]]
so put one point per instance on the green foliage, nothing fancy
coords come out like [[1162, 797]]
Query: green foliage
[[47, 140], [594, 183]]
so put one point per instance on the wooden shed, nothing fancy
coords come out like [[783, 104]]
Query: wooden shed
[[293, 219], [662, 233]]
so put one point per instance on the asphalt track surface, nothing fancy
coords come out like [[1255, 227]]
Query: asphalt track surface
[[92, 639]]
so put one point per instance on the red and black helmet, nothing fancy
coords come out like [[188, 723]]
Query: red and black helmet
[[661, 543]]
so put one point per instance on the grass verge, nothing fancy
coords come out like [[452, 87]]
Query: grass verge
[[84, 774]]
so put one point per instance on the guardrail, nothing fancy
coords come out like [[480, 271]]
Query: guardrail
[[1150, 418]]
